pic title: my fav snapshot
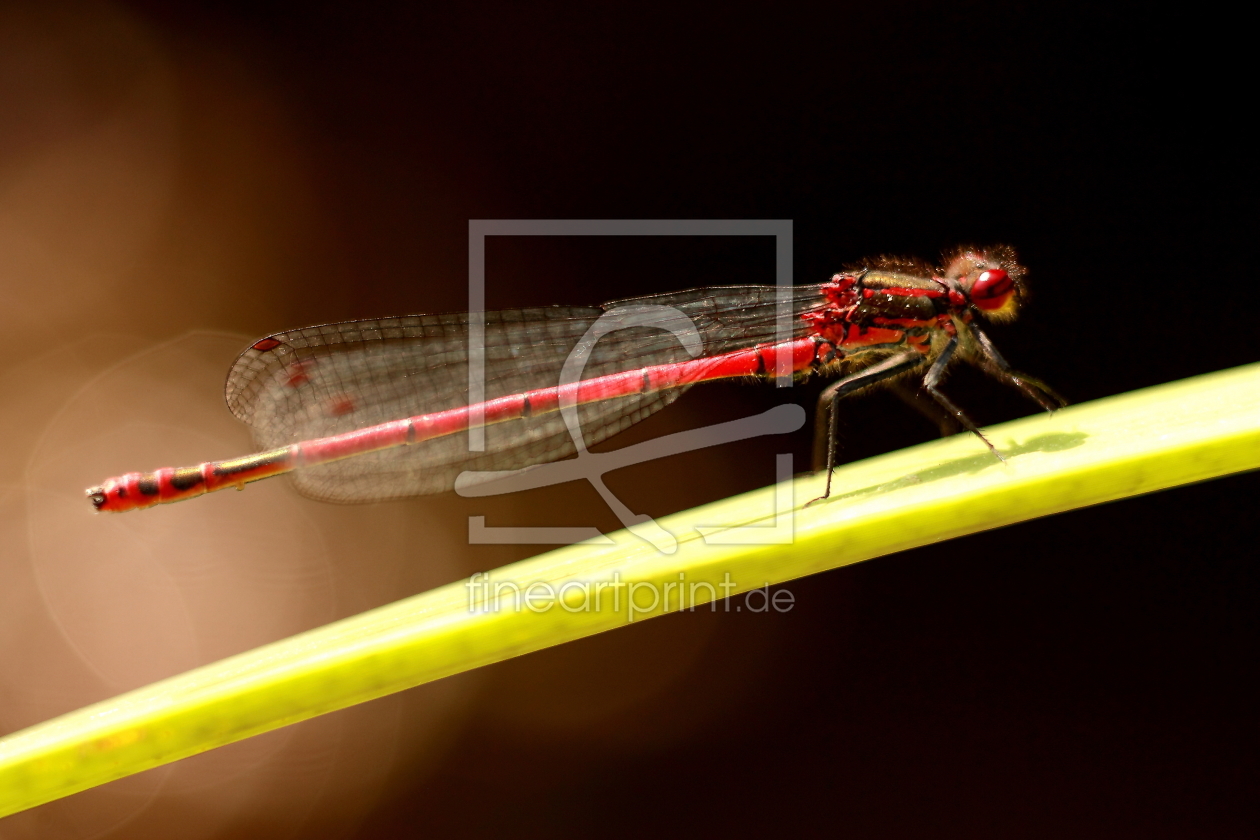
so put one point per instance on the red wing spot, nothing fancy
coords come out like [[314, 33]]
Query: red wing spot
[[341, 406], [266, 344], [297, 374]]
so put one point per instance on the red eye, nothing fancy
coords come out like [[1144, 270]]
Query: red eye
[[992, 289]]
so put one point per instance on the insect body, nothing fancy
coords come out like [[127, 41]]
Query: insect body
[[381, 409]]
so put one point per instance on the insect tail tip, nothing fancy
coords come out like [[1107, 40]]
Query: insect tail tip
[[96, 495]]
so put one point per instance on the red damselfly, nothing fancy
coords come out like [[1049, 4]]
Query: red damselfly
[[378, 409]]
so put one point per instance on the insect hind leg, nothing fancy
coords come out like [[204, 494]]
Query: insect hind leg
[[827, 427]]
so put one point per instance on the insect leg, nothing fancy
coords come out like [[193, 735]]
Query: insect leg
[[909, 394], [1036, 390], [872, 375], [931, 383]]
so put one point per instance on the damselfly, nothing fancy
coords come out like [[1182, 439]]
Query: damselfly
[[381, 409]]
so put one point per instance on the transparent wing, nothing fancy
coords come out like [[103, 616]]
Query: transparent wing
[[325, 380]]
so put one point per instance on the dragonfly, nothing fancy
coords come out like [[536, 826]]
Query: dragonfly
[[380, 409]]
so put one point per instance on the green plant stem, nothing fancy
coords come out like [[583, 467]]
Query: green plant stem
[[1123, 446]]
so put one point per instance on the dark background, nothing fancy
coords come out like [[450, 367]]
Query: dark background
[[1088, 674]]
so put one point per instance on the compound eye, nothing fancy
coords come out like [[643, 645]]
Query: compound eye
[[992, 289]]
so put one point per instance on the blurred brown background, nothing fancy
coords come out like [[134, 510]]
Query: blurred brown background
[[179, 178]]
